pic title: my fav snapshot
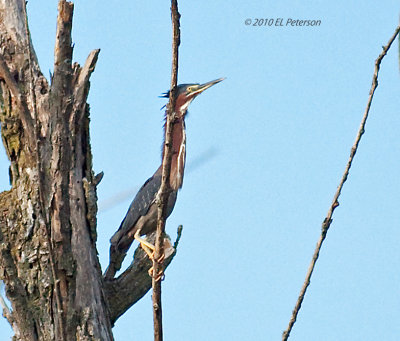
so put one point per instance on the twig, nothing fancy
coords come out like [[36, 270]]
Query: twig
[[178, 237], [162, 196], [335, 203]]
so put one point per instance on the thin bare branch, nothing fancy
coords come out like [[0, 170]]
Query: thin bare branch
[[164, 191], [335, 202]]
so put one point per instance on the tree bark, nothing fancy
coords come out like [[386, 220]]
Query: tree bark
[[47, 220], [48, 256]]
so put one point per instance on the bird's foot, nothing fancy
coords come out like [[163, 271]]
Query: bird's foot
[[150, 251], [160, 275]]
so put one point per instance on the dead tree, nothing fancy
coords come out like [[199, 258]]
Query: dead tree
[[48, 257]]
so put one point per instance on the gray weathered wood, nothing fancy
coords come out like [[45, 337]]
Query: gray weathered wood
[[48, 256]]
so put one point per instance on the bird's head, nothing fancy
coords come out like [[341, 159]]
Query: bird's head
[[186, 93]]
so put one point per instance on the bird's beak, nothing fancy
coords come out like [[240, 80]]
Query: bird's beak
[[207, 85]]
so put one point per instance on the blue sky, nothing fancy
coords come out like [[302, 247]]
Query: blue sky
[[272, 140]]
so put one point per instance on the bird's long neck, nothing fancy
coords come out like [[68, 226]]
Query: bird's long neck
[[178, 154]]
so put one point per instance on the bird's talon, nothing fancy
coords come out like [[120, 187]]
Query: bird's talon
[[161, 259], [158, 277]]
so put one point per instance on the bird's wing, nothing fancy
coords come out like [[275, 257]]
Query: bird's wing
[[139, 206]]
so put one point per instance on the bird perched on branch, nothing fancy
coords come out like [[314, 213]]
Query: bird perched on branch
[[141, 218]]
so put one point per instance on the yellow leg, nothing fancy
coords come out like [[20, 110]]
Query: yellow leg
[[150, 249], [146, 246]]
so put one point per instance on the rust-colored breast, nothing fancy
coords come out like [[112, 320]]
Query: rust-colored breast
[[179, 155]]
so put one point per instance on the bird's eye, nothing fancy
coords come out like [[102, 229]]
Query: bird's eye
[[189, 88]]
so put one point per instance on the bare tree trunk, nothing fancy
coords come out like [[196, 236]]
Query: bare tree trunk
[[48, 257]]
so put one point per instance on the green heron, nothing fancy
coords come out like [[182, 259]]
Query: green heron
[[141, 218]]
